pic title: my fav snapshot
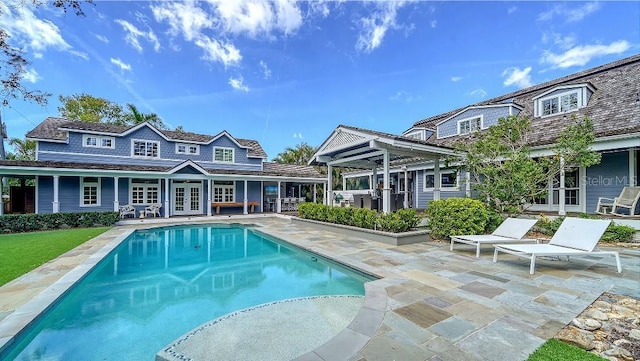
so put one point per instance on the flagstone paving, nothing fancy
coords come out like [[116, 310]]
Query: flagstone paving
[[429, 303]]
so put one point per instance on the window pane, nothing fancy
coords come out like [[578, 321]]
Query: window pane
[[449, 180], [428, 181], [90, 195]]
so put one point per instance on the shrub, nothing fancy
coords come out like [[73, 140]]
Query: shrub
[[34, 222], [401, 221], [456, 216]]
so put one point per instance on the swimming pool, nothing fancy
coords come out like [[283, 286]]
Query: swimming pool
[[160, 283]]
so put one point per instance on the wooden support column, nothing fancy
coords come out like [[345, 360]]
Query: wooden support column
[[561, 191], [56, 188], [116, 202], [279, 201], [330, 185], [246, 198], [166, 198], [437, 179], [209, 197], [386, 190]]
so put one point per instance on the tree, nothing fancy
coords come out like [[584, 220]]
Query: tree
[[13, 63], [135, 117], [301, 154], [22, 149], [506, 176], [88, 108]]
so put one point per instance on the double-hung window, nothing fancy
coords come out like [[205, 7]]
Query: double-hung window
[[90, 192], [466, 126], [94, 141], [144, 191], [223, 191], [191, 149], [145, 148], [223, 155], [559, 103]]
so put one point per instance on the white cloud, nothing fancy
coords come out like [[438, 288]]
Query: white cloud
[[517, 77], [478, 93], [102, 38], [133, 34], [434, 23], [266, 72], [32, 33], [184, 18], [581, 55], [512, 10], [122, 65], [564, 42], [258, 18], [297, 135], [569, 14], [31, 76], [216, 51], [456, 78], [374, 28], [405, 97], [238, 84]]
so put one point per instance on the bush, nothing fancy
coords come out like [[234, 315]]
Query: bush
[[457, 216], [614, 233], [401, 221], [13, 223]]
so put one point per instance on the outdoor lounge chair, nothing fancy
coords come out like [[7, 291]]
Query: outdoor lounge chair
[[127, 210], [628, 199], [510, 231], [575, 237]]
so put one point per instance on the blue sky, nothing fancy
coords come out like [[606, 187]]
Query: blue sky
[[288, 72]]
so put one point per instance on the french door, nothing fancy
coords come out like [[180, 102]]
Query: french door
[[187, 198]]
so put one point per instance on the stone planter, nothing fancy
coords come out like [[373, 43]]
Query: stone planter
[[395, 239]]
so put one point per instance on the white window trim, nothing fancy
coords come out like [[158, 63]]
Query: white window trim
[[145, 186], [442, 189], [233, 155], [416, 134], [98, 141], [133, 142], [581, 102], [98, 185], [469, 120], [187, 145], [231, 186]]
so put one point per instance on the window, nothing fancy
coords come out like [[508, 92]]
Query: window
[[223, 155], [145, 148], [448, 180], [193, 149], [559, 103], [92, 141], [467, 126], [90, 191], [223, 191], [144, 191]]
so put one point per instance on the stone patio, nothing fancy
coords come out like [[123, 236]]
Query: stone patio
[[429, 303]]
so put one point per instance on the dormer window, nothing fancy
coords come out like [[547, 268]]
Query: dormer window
[[223, 155], [562, 100], [93, 141], [191, 149], [145, 148], [466, 126]]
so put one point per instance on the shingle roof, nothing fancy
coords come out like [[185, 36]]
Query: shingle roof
[[614, 108], [269, 169], [50, 129]]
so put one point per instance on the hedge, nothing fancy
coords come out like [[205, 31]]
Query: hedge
[[401, 221], [459, 216], [14, 223]]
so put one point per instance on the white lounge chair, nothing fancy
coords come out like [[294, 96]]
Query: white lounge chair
[[510, 231], [575, 237], [628, 199]]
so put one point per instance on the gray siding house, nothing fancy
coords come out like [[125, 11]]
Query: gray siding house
[[84, 166], [609, 95]]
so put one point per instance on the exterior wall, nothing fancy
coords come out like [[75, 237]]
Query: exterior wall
[[254, 194], [122, 152], [607, 178], [45, 194], [490, 116], [424, 197]]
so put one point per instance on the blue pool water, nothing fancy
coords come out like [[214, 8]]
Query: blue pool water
[[160, 283]]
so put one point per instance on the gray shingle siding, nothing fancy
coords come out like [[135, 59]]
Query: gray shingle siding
[[607, 178]]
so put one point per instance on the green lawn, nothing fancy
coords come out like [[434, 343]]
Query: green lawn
[[22, 252], [554, 350]]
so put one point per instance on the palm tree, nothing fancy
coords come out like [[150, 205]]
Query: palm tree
[[301, 154], [136, 117]]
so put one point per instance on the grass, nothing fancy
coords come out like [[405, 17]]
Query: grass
[[554, 350], [23, 252]]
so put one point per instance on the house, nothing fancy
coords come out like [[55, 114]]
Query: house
[[83, 166], [609, 95]]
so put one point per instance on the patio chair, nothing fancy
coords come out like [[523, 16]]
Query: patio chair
[[628, 199], [510, 231], [127, 210], [575, 237], [153, 210]]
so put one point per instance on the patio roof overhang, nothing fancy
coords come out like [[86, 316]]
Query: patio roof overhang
[[357, 148]]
